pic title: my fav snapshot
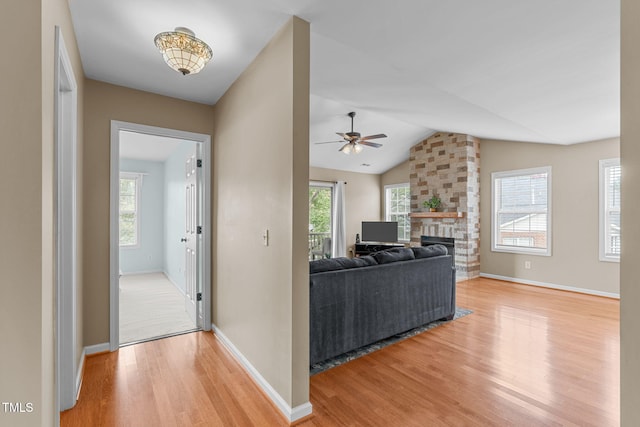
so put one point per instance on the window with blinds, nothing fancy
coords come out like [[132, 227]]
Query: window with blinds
[[610, 174], [397, 207], [521, 211]]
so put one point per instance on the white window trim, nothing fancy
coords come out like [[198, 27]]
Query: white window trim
[[602, 227], [138, 177], [387, 215], [494, 229]]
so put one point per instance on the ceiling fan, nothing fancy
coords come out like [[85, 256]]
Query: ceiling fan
[[354, 140]]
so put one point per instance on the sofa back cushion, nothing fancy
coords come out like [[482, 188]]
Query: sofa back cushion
[[340, 263], [325, 264], [364, 261], [429, 251], [394, 255]]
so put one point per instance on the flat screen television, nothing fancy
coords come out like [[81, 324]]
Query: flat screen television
[[380, 231]]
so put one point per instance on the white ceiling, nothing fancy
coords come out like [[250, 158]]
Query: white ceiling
[[142, 146], [541, 71]]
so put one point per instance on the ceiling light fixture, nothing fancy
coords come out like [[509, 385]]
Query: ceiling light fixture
[[347, 148], [183, 51], [351, 147]]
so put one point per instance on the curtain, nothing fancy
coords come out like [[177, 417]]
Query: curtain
[[339, 235]]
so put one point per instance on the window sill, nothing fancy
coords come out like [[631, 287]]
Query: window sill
[[437, 215], [522, 251]]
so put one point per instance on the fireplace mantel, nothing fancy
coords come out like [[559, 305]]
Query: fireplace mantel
[[437, 215]]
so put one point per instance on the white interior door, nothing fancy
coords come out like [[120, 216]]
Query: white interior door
[[191, 238]]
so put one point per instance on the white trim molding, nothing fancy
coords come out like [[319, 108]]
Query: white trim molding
[[97, 348], [387, 205], [174, 283], [552, 286], [66, 224], [134, 273], [529, 250], [80, 374], [291, 414], [603, 212], [87, 351]]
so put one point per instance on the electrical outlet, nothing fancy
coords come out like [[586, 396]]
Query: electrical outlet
[[527, 265]]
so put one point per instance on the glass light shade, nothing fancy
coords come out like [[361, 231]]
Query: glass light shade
[[183, 51], [347, 148], [357, 147]]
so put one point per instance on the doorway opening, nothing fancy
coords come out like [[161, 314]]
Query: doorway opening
[[160, 233]]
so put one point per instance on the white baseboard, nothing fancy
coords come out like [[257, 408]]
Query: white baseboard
[[551, 285], [182, 291], [98, 348], [80, 373], [92, 349], [133, 273], [291, 414]]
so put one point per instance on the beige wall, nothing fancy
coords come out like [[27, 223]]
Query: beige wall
[[362, 198], [27, 287], [629, 265], [396, 175], [260, 176], [575, 258], [105, 102], [25, 305]]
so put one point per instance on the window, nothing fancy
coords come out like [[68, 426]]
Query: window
[[397, 199], [129, 202], [521, 211], [610, 173], [320, 219]]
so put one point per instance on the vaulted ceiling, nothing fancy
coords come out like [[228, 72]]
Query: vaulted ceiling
[[542, 71]]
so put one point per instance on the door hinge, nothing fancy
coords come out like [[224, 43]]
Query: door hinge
[[199, 163], [199, 296], [199, 229]]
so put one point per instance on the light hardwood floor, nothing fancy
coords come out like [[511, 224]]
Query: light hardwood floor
[[527, 356]]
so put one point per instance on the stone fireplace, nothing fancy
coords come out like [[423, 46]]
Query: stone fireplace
[[448, 165]]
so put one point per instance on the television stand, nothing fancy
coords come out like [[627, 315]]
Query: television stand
[[371, 247]]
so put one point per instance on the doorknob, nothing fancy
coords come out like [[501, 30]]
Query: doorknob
[[184, 239]]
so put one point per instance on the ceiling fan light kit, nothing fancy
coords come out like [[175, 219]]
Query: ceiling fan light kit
[[355, 143], [183, 51]]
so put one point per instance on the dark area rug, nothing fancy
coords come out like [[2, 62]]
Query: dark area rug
[[362, 351]]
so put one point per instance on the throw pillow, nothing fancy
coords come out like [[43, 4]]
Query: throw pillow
[[429, 251], [394, 255]]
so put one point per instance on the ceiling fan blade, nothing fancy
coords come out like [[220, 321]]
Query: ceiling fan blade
[[370, 144], [380, 135], [326, 142]]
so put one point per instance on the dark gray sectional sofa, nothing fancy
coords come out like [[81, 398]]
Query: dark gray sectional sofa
[[358, 301]]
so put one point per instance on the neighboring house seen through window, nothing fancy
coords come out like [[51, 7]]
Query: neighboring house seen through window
[[521, 211], [610, 174], [129, 205], [397, 199]]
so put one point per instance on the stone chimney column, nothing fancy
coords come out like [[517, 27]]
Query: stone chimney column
[[448, 165]]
